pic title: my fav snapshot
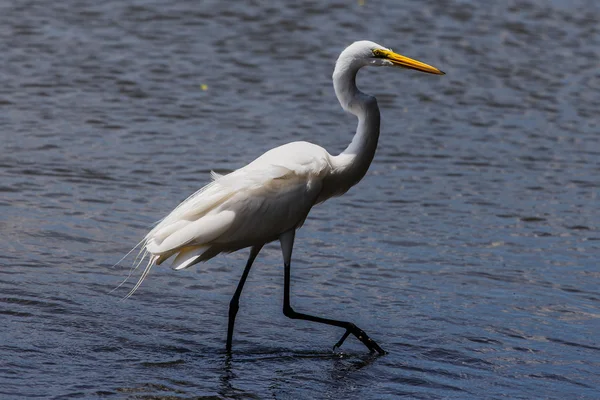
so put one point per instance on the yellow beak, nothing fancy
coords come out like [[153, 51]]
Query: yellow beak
[[406, 62]]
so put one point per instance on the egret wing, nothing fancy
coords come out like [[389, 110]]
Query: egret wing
[[251, 205]]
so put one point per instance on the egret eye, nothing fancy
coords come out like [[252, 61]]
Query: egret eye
[[378, 53]]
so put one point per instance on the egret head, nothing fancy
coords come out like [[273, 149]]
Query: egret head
[[364, 53]]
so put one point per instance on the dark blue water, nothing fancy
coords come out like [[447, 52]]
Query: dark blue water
[[469, 252]]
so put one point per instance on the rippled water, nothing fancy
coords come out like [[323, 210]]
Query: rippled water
[[469, 252]]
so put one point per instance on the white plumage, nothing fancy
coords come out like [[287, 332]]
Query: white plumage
[[253, 204]]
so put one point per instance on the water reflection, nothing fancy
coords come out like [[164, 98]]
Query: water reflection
[[337, 367]]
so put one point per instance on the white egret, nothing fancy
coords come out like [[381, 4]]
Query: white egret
[[271, 197]]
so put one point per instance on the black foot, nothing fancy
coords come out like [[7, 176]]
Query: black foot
[[362, 336]]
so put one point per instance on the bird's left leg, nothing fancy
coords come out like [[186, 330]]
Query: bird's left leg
[[287, 243], [234, 305]]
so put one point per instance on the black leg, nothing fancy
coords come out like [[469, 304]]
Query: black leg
[[234, 305], [349, 326]]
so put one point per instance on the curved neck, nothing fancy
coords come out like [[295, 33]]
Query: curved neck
[[352, 164]]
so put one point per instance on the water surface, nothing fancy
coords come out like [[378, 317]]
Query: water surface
[[469, 252]]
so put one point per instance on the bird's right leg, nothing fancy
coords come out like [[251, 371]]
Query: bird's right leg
[[234, 305], [287, 242]]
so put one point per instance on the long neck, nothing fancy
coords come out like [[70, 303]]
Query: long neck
[[352, 164]]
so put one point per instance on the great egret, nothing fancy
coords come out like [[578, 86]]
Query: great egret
[[270, 198]]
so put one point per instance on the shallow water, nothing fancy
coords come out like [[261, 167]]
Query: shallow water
[[469, 252]]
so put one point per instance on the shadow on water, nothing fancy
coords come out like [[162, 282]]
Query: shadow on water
[[252, 374], [238, 374], [337, 367], [340, 366]]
